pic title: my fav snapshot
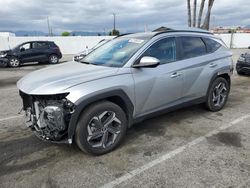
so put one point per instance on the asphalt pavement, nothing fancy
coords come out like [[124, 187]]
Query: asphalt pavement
[[190, 147]]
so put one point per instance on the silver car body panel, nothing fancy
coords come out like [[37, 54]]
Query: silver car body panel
[[149, 89]]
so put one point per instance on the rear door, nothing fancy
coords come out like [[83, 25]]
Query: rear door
[[194, 60], [40, 51]]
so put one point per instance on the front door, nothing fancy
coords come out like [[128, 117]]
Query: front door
[[159, 87], [26, 53]]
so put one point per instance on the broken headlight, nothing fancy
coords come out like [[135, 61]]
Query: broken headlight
[[52, 118], [3, 54]]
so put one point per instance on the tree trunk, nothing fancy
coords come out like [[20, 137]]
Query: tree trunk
[[189, 13], [200, 13], [194, 13], [207, 18]]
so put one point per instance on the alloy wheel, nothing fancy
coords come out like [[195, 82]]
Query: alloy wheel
[[14, 62], [53, 59], [219, 94], [103, 130]]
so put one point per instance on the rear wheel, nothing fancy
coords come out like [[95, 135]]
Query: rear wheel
[[101, 128], [14, 62], [217, 94], [53, 59]]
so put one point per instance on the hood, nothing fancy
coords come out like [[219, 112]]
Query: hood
[[5, 52], [58, 78]]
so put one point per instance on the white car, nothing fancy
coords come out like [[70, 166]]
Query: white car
[[82, 54]]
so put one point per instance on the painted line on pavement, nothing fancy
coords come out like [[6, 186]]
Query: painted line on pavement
[[11, 117], [171, 154]]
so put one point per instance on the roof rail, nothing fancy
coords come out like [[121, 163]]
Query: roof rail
[[189, 30], [123, 35]]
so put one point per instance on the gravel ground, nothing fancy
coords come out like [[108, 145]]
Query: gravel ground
[[190, 147]]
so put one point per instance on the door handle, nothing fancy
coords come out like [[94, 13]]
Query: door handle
[[212, 65], [175, 74]]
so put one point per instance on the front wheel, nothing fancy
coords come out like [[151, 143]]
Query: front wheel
[[53, 59], [217, 94], [101, 128], [14, 62]]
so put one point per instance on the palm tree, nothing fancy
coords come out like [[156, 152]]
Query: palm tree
[[189, 13], [207, 18], [200, 13], [194, 13]]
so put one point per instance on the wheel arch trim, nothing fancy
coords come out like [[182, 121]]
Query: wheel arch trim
[[82, 103], [220, 73]]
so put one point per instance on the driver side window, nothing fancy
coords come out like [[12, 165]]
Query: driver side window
[[25, 47], [164, 50]]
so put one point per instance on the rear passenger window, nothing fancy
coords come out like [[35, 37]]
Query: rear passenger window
[[192, 47], [164, 50], [212, 45], [40, 45]]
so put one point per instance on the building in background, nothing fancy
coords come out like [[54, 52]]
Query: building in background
[[220, 30], [7, 34]]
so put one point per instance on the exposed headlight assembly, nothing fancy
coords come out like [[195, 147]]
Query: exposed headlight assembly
[[3, 55]]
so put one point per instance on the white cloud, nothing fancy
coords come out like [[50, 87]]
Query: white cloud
[[96, 15]]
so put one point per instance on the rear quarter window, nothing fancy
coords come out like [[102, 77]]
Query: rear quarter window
[[211, 44]]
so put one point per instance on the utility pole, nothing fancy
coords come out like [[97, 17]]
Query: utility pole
[[114, 15], [48, 26], [51, 32], [146, 28]]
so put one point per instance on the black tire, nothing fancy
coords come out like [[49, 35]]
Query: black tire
[[53, 59], [92, 120], [215, 103], [14, 62]]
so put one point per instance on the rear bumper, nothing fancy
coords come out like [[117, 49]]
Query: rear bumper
[[60, 55], [243, 67]]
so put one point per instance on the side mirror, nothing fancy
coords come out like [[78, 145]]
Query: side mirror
[[248, 47], [22, 49], [147, 62]]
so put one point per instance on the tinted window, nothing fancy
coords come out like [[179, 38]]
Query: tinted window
[[25, 46], [192, 47], [212, 45], [40, 45], [164, 50]]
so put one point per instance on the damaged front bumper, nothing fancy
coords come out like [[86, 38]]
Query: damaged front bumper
[[48, 116]]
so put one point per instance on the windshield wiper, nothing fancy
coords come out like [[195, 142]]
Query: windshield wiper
[[85, 62]]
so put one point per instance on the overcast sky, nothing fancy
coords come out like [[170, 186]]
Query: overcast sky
[[96, 15]]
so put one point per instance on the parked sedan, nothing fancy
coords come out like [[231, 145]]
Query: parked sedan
[[33, 51], [243, 64]]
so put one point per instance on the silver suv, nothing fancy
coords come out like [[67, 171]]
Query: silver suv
[[129, 79]]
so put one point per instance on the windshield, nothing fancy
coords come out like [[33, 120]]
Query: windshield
[[114, 53], [99, 44]]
